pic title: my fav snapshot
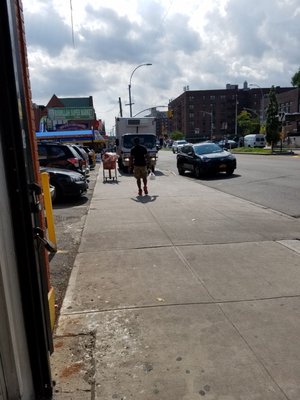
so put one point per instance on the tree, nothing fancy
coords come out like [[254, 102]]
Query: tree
[[247, 124], [177, 135], [296, 79], [272, 123]]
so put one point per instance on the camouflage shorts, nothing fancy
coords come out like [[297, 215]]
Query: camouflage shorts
[[140, 172]]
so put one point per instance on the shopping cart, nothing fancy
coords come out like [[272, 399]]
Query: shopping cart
[[109, 163]]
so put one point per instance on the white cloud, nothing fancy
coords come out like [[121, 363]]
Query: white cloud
[[201, 44]]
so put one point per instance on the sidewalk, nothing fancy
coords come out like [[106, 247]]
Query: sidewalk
[[182, 294]]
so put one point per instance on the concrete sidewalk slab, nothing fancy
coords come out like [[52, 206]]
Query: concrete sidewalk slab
[[186, 293], [133, 278], [271, 329], [182, 352], [245, 271], [114, 235]]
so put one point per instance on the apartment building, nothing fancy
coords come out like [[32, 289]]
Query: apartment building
[[212, 114], [289, 102]]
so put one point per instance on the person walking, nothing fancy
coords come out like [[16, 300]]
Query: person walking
[[139, 161]]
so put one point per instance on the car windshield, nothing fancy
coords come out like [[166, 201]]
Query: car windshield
[[148, 141], [207, 149]]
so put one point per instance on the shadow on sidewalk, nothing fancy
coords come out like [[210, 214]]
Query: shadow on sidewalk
[[144, 199]]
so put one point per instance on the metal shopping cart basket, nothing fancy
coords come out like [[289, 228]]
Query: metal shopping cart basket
[[109, 164]]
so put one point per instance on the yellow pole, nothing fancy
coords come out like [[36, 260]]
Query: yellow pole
[[48, 209]]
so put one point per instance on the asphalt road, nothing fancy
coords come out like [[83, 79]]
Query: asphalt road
[[271, 181]]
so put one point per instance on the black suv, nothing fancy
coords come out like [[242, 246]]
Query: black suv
[[59, 155], [205, 158]]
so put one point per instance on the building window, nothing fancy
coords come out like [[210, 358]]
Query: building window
[[191, 98], [191, 115], [191, 106], [212, 98]]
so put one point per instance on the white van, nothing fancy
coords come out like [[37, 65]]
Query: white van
[[258, 140]]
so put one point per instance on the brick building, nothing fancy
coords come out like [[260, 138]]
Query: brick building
[[211, 114], [73, 113], [289, 102]]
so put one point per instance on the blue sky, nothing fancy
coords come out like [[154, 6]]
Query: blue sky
[[93, 48]]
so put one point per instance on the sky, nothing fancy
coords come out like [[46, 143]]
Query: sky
[[81, 48]]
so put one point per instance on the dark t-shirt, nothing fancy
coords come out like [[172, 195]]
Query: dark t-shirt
[[139, 154]]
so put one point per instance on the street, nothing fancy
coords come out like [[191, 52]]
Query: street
[[271, 181]]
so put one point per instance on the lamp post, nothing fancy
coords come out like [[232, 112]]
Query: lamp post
[[251, 110], [149, 108], [129, 86], [262, 115], [235, 121]]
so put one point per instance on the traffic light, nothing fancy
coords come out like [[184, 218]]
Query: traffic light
[[170, 114]]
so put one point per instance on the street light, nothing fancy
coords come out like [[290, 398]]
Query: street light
[[235, 122], [149, 108], [262, 116], [129, 86], [251, 110]]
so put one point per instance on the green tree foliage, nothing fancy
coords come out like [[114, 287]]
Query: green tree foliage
[[296, 79], [177, 135], [247, 124], [272, 123]]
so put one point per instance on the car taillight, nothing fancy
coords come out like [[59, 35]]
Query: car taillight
[[74, 161]]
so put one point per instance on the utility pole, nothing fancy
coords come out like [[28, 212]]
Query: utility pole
[[235, 125], [120, 105]]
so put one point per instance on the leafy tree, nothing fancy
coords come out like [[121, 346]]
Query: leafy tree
[[177, 135], [247, 124], [296, 79], [272, 123]]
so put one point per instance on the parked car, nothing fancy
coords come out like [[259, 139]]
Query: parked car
[[205, 158], [92, 156], [228, 144], [177, 144], [84, 158], [52, 192], [58, 155], [67, 183]]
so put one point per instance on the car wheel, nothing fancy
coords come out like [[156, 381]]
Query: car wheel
[[58, 194], [229, 171], [180, 170], [197, 171]]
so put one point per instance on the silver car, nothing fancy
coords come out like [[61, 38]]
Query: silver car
[[177, 144]]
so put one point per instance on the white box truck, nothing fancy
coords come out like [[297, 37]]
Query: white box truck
[[129, 128]]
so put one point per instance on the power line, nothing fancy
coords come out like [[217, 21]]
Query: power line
[[71, 9]]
